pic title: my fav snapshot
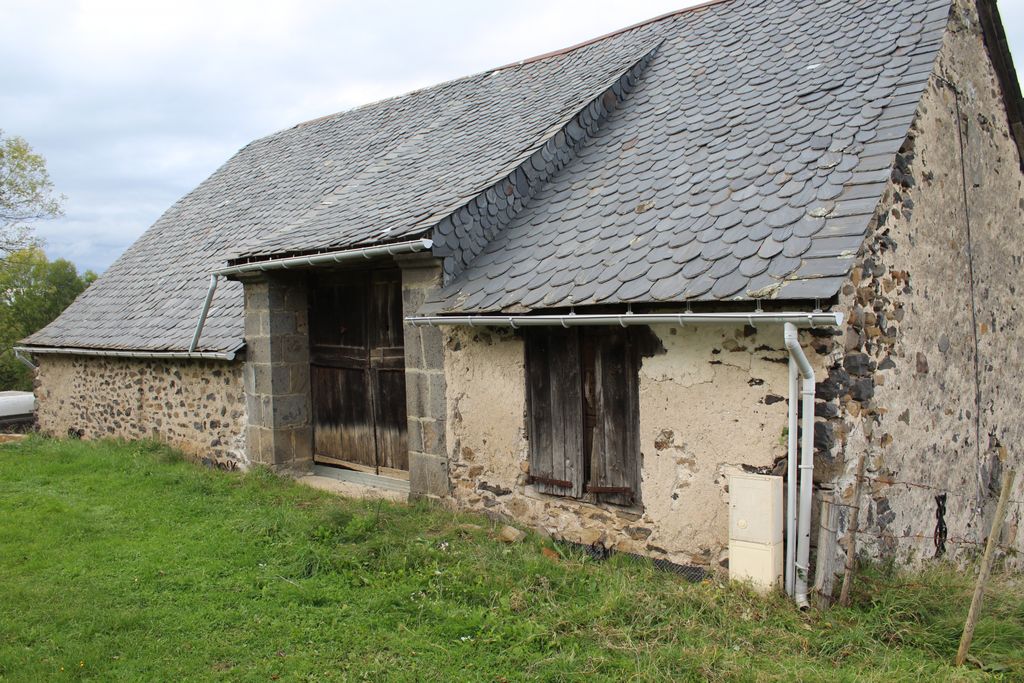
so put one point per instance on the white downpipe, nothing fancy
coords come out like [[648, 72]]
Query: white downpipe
[[794, 374], [803, 546], [203, 313], [24, 360], [803, 543]]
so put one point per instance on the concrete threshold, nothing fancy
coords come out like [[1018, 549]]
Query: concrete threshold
[[353, 484]]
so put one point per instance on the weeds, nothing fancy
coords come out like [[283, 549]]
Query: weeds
[[120, 561]]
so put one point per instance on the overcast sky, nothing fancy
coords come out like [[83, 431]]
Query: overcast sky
[[133, 103]]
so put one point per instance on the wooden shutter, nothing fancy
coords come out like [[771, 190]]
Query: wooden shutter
[[554, 408], [611, 415]]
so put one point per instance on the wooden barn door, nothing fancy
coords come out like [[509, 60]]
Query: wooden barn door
[[357, 372]]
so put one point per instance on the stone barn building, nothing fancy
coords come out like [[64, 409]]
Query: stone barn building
[[582, 290]]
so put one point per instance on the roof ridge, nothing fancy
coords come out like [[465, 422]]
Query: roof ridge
[[612, 34], [529, 60]]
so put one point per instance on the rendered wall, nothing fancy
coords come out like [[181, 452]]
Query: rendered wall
[[710, 404], [908, 377], [195, 406]]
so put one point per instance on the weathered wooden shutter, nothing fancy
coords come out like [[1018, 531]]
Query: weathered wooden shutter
[[611, 413], [554, 408]]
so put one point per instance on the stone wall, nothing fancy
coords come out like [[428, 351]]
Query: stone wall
[[195, 406], [926, 381], [712, 403], [280, 429], [424, 381]]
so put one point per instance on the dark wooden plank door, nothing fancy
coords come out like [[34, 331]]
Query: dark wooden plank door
[[387, 370], [357, 371]]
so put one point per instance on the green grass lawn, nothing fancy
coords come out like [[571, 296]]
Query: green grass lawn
[[123, 562]]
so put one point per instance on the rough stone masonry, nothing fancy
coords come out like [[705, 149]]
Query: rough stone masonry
[[925, 380], [195, 406]]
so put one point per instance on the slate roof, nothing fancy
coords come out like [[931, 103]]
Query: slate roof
[[331, 183], [746, 164], [742, 160]]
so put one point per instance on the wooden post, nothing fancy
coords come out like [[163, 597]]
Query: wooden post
[[851, 546], [825, 569], [985, 569]]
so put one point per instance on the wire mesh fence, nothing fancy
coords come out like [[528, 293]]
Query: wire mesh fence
[[599, 552]]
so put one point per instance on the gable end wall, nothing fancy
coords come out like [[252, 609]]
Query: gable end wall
[[902, 386]]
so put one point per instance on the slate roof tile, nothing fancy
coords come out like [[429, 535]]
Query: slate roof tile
[[733, 151], [384, 172], [776, 174]]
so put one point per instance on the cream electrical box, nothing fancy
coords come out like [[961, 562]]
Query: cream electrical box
[[755, 529]]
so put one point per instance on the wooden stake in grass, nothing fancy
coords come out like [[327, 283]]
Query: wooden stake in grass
[[986, 567], [851, 547], [825, 572]]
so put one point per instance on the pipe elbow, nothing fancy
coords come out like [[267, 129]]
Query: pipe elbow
[[791, 337], [792, 343]]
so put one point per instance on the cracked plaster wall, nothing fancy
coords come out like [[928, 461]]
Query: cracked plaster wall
[[711, 403]]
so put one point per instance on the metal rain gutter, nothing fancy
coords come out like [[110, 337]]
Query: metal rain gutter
[[117, 353], [410, 247], [815, 319], [367, 253]]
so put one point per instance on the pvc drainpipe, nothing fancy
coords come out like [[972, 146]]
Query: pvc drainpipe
[[816, 319], [803, 547], [794, 373], [18, 354], [203, 313]]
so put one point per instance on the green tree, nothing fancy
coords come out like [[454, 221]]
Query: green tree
[[26, 193], [33, 291]]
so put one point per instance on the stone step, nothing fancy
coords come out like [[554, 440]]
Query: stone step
[[353, 490]]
